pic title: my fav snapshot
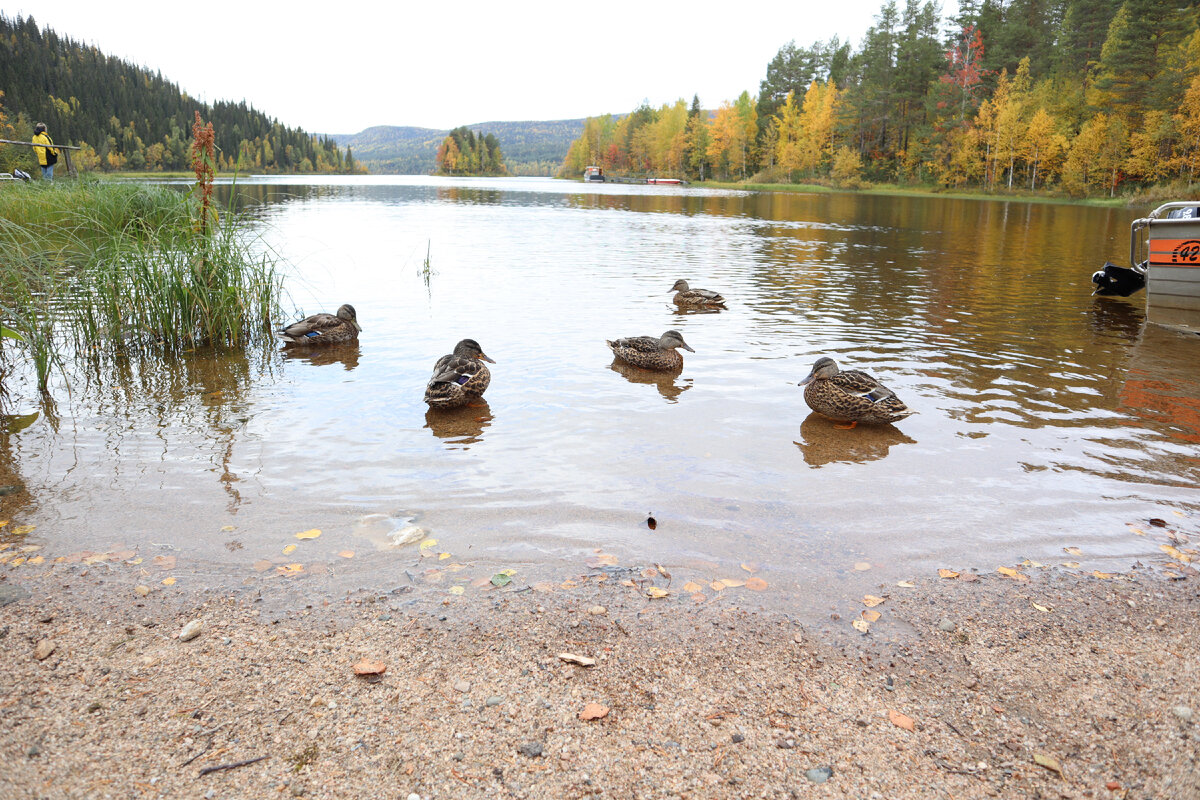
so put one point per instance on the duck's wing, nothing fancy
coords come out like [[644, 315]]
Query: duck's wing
[[704, 295], [642, 344], [310, 327], [455, 369], [854, 382]]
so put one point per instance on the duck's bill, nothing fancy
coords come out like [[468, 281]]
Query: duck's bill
[[807, 380], [685, 347], [357, 326], [482, 357]]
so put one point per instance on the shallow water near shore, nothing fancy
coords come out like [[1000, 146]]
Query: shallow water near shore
[[1047, 418]]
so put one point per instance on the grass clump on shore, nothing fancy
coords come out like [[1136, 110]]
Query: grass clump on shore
[[89, 267]]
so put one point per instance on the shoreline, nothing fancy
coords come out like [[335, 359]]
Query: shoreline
[[1059, 686]]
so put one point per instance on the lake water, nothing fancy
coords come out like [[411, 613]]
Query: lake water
[[1047, 418]]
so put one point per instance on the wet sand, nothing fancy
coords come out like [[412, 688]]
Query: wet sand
[[702, 700]]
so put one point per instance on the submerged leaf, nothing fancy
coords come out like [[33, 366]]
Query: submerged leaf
[[870, 616], [291, 548], [870, 600], [655, 593], [906, 584], [756, 584], [692, 587], [862, 566], [347, 554], [309, 534], [501, 579], [861, 625]]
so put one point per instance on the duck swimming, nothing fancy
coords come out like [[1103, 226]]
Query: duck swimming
[[650, 352], [459, 377], [323, 328], [696, 298], [850, 396]]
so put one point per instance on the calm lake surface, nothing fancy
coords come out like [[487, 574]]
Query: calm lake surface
[[1047, 418]]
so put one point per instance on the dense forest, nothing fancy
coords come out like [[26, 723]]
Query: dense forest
[[1084, 97], [128, 118], [464, 152]]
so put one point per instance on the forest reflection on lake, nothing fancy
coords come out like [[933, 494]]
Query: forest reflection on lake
[[1047, 418]]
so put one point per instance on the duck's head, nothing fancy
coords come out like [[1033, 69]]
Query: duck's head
[[680, 286], [673, 339], [824, 369], [348, 313], [469, 348]]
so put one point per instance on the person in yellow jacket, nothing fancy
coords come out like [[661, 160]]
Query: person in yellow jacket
[[47, 156]]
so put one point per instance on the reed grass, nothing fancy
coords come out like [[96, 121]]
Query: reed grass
[[89, 267]]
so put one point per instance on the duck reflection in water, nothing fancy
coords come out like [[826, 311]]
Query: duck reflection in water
[[460, 427], [663, 380], [822, 443], [344, 354]]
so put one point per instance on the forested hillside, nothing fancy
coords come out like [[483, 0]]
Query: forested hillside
[[1085, 97], [530, 148], [126, 117]]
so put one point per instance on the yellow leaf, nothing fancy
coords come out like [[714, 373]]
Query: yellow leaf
[[756, 584], [4, 522], [21, 530], [717, 586], [1009, 571], [456, 590], [1177, 513], [1071, 564], [1103, 575], [862, 566], [901, 720], [906, 584], [1138, 531], [871, 616], [310, 534], [691, 587], [347, 554], [750, 567], [870, 600], [1049, 762], [1075, 551], [291, 548], [141, 591], [428, 543], [37, 560], [861, 625], [228, 528], [1175, 554], [16, 562], [135, 561], [168, 582], [654, 592], [947, 573], [443, 556], [1042, 608]]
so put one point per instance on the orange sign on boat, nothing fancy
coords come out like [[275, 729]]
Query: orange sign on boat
[[1175, 252]]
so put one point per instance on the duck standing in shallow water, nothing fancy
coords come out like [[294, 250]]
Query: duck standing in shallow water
[[850, 396], [323, 328], [695, 298], [459, 376], [649, 352]]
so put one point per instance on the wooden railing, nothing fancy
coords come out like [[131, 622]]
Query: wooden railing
[[65, 149]]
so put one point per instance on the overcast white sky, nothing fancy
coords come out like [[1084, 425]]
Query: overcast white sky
[[342, 67]]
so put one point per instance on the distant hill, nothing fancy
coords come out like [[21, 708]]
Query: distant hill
[[530, 148]]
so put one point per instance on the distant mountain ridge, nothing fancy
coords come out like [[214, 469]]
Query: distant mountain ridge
[[530, 147]]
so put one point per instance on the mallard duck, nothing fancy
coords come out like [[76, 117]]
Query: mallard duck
[[850, 396], [323, 328], [459, 376], [696, 298], [651, 353]]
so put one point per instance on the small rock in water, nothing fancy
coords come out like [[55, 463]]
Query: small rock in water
[[406, 535], [530, 749], [1183, 712], [191, 630], [44, 648], [819, 774], [494, 700], [462, 686], [946, 624]]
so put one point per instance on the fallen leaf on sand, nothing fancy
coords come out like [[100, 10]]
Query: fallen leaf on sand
[[309, 534], [691, 587], [593, 711], [369, 667], [1042, 608], [906, 584], [44, 648], [1049, 762], [347, 554], [40, 559], [1016, 575], [861, 625], [900, 720], [947, 573], [21, 530], [168, 582], [870, 600], [756, 584], [862, 566], [655, 593], [1103, 575], [583, 661], [1074, 551], [1166, 548], [500, 579], [871, 616], [228, 528]]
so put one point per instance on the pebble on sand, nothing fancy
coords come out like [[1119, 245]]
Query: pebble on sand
[[530, 749], [191, 630], [1182, 712], [44, 648], [946, 624], [819, 774], [462, 686]]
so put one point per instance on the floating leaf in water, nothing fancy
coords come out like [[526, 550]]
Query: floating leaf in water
[[427, 543], [501, 579], [862, 566], [309, 534], [861, 625], [290, 570], [291, 548], [651, 522], [906, 584], [443, 556], [756, 584], [1138, 531], [1071, 564], [164, 562], [692, 587], [168, 582], [36, 560], [947, 573], [1175, 554], [4, 522], [870, 600], [656, 593], [870, 616], [1074, 551], [717, 586], [602, 560], [347, 554]]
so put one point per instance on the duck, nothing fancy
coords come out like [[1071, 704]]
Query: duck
[[323, 328], [459, 377], [851, 396], [651, 352], [697, 298]]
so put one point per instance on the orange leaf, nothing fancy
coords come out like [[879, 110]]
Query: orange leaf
[[593, 711], [692, 587], [870, 600], [871, 616], [369, 667], [900, 720], [947, 573], [347, 554], [756, 584]]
